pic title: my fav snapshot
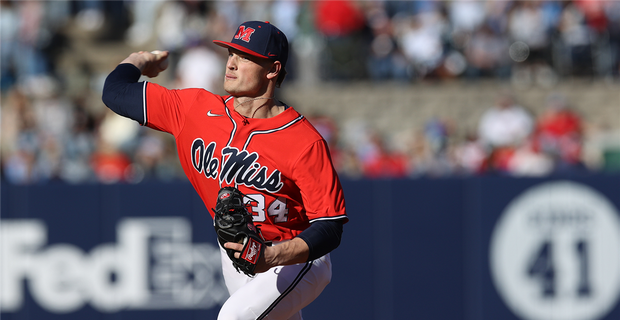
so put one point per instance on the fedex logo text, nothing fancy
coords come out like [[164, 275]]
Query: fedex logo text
[[153, 265]]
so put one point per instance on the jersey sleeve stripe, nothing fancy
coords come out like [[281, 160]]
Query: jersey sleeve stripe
[[329, 218], [144, 102]]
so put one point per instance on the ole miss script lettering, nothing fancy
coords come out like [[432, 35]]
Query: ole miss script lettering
[[238, 167]]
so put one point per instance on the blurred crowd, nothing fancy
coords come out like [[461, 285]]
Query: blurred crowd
[[55, 127], [509, 140]]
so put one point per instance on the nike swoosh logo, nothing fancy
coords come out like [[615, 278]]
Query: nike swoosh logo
[[210, 114]]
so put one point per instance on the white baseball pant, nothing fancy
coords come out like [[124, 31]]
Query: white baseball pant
[[277, 294]]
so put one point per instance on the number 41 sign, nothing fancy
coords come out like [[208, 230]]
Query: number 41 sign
[[555, 253]]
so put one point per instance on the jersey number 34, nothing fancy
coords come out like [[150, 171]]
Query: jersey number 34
[[276, 209]]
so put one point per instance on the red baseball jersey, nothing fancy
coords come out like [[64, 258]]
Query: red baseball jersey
[[282, 164]]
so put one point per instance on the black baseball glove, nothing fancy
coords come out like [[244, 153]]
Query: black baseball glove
[[233, 223]]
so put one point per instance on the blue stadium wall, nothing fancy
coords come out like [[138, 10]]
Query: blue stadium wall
[[482, 248]]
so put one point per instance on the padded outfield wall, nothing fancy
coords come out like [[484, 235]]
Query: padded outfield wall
[[474, 249]]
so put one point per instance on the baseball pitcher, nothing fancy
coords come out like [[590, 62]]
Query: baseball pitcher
[[262, 170]]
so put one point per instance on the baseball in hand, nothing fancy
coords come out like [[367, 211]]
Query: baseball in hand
[[162, 64]]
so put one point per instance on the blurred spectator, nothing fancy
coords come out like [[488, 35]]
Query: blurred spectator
[[9, 25], [594, 14], [114, 140], [338, 18], [20, 139], [498, 161], [382, 162], [470, 156], [528, 23], [144, 15], [15, 110], [601, 147], [530, 26], [505, 124], [576, 42], [559, 132], [286, 15], [90, 15], [328, 129], [109, 164], [496, 17], [349, 164], [421, 39], [200, 67], [385, 60], [149, 156], [597, 14], [31, 34], [19, 167], [420, 156], [428, 153], [43, 124], [527, 160], [437, 133], [342, 23], [50, 159], [465, 15], [169, 26], [52, 109], [612, 11], [79, 145], [486, 54], [180, 23]]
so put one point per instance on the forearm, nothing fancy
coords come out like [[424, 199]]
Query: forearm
[[287, 253], [319, 239]]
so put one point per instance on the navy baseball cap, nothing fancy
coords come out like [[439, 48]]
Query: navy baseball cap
[[260, 39]]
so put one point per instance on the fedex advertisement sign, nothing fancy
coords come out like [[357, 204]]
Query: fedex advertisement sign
[[152, 265]]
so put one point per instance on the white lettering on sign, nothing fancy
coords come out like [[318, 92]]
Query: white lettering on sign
[[153, 265], [555, 253]]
